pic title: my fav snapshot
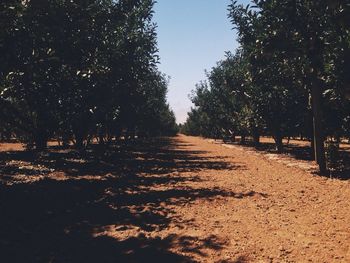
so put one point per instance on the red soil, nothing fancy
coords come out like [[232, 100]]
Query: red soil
[[231, 205]]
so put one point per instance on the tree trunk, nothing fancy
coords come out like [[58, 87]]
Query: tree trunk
[[318, 138], [243, 139], [79, 142], [256, 140], [277, 136], [79, 139], [278, 141], [40, 141], [41, 135], [101, 139], [312, 149], [233, 138], [337, 138], [256, 137], [65, 141]]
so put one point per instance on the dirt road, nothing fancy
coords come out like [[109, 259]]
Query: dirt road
[[271, 212], [184, 199]]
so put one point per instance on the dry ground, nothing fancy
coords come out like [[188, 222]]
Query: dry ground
[[183, 199]]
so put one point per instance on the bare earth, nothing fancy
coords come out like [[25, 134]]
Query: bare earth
[[231, 205], [270, 212]]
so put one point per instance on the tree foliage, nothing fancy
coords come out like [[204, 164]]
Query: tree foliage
[[290, 69], [78, 69]]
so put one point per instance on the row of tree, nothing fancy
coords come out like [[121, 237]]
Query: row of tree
[[290, 76], [75, 70]]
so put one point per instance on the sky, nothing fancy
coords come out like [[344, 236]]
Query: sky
[[192, 36]]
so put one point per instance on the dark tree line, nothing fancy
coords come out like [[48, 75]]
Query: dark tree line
[[290, 76], [75, 70]]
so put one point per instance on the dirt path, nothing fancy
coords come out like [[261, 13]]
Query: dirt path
[[264, 211], [182, 200]]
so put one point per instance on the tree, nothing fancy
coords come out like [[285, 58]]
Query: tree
[[289, 76], [298, 33], [81, 69]]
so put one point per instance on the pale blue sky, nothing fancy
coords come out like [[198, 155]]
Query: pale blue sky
[[192, 36]]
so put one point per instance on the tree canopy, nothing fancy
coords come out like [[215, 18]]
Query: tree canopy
[[288, 78], [78, 69]]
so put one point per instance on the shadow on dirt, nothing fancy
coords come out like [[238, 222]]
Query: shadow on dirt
[[59, 205], [302, 152]]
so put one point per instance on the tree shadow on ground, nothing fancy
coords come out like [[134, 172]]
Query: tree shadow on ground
[[302, 152], [74, 204]]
